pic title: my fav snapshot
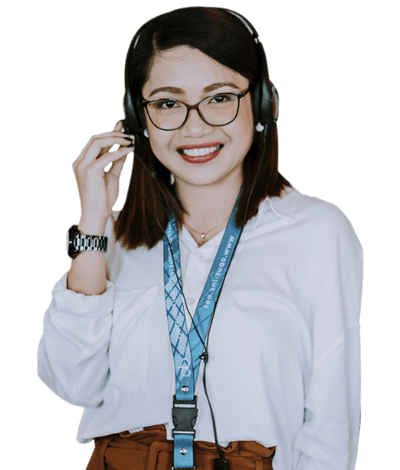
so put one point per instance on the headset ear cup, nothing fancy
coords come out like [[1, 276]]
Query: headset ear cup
[[275, 102], [131, 116], [263, 105], [140, 114], [269, 110], [256, 103]]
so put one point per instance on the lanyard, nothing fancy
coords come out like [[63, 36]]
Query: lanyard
[[188, 347]]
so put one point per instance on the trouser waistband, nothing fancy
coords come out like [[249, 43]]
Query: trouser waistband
[[149, 449]]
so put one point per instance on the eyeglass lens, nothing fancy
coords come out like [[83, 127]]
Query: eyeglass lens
[[216, 110]]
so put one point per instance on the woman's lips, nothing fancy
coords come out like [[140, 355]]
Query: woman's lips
[[200, 159], [200, 153]]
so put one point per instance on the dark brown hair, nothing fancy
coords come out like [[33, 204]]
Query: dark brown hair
[[223, 37]]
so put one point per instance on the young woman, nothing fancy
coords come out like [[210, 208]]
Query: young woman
[[214, 321]]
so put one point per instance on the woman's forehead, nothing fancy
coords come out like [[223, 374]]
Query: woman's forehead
[[189, 70]]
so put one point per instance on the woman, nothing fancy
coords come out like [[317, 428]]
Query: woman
[[214, 258]]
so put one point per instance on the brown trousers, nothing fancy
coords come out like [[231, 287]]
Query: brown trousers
[[150, 450]]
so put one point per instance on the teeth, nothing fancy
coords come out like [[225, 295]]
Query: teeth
[[199, 152]]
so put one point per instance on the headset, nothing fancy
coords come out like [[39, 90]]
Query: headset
[[265, 105], [265, 98]]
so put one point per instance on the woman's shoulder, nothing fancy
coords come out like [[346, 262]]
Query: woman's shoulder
[[319, 215], [317, 208], [310, 213]]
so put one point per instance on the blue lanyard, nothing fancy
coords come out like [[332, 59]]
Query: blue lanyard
[[188, 347]]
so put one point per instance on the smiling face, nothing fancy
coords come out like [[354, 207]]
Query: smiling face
[[197, 153]]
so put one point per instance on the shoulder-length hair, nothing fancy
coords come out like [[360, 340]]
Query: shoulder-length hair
[[223, 37]]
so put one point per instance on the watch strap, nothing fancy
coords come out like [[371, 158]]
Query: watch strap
[[78, 242]]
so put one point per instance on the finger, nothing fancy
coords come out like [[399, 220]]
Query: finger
[[117, 166], [128, 140], [100, 147], [119, 126], [114, 132], [103, 151], [94, 137], [109, 157], [124, 136]]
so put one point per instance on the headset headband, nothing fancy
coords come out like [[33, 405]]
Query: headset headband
[[251, 29]]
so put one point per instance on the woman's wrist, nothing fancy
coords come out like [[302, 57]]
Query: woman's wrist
[[88, 227]]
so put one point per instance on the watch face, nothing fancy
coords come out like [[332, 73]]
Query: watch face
[[67, 242], [72, 233], [72, 251]]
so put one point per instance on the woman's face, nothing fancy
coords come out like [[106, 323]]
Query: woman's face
[[188, 75]]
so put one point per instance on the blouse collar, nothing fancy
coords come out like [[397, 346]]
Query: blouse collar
[[283, 206]]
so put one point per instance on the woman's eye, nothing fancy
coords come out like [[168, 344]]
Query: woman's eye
[[221, 98], [166, 104]]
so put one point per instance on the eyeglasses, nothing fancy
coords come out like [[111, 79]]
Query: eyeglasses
[[216, 110]]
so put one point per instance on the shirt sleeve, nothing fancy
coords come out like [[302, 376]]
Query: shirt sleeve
[[73, 350], [328, 439]]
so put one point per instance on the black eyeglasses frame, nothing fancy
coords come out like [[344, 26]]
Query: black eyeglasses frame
[[189, 107]]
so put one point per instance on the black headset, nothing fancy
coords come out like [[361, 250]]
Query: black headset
[[265, 98]]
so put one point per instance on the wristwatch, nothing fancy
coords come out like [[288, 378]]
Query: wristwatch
[[78, 242]]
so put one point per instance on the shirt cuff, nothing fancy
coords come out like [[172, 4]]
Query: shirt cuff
[[69, 301]]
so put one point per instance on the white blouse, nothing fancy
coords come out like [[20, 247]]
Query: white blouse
[[284, 347]]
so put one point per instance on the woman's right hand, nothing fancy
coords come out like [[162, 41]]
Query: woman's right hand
[[98, 189]]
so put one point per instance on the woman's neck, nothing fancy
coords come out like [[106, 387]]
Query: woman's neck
[[209, 206]]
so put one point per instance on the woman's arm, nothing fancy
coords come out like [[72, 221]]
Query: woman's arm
[[73, 351], [329, 435], [98, 191], [88, 270]]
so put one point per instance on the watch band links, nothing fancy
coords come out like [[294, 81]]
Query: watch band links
[[90, 243], [78, 242]]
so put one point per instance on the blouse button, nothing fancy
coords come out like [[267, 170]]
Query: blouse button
[[199, 254], [190, 300]]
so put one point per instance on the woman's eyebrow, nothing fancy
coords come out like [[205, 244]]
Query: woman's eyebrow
[[179, 91]]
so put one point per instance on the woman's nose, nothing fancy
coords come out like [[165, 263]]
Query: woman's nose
[[195, 125]]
